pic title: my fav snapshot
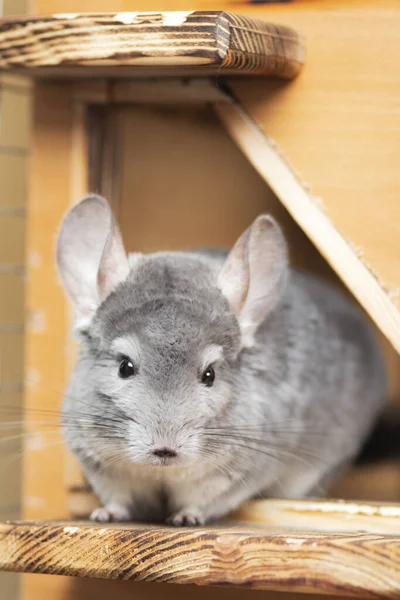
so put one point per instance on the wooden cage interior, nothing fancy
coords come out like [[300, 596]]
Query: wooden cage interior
[[176, 181]]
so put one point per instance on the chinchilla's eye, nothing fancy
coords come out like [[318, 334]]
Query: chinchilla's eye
[[126, 368], [208, 377]]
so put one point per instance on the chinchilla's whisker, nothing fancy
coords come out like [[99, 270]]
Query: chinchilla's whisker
[[212, 459], [22, 436], [253, 440], [101, 434], [272, 452], [275, 428]]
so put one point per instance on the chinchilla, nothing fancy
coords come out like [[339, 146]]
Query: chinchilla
[[208, 378]]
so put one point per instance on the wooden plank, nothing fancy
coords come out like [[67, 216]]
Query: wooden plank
[[13, 177], [15, 119], [58, 6], [266, 157], [15, 7], [333, 515], [358, 564], [58, 167], [49, 197], [12, 298], [168, 42], [12, 241], [14, 137]]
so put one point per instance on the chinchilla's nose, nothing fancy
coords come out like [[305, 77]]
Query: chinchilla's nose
[[165, 453]]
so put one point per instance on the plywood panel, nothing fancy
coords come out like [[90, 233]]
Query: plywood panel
[[12, 240], [10, 452], [15, 118], [54, 6], [11, 356], [11, 299], [13, 169], [339, 124], [15, 7], [57, 170], [50, 195], [14, 138], [170, 202]]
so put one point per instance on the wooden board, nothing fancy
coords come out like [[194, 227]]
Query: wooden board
[[265, 156], [245, 555], [131, 43], [14, 150]]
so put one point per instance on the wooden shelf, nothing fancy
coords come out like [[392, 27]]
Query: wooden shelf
[[192, 43], [253, 554]]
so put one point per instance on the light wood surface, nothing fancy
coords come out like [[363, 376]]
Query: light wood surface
[[48, 586], [266, 157], [190, 42], [339, 125], [14, 151], [335, 516], [268, 558], [50, 195]]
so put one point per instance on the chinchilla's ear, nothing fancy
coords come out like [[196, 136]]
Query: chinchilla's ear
[[254, 274], [90, 256]]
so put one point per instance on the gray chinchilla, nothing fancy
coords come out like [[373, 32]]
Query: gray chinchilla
[[207, 378]]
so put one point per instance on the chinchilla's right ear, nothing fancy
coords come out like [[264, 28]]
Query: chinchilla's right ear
[[90, 256]]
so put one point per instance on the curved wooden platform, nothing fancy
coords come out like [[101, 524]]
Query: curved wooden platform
[[152, 43], [359, 559]]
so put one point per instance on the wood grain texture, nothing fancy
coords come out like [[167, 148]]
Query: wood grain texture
[[339, 124], [331, 515], [363, 565], [129, 44], [14, 142], [266, 157]]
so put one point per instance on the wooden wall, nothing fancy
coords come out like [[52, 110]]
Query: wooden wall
[[15, 96]]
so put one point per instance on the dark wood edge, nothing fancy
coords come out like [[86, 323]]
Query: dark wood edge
[[194, 42]]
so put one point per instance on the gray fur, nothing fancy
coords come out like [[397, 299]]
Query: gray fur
[[288, 410]]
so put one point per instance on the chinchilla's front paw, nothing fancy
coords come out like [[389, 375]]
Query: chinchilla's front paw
[[107, 514], [187, 517]]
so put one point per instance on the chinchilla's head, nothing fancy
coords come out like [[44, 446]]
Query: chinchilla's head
[[162, 334]]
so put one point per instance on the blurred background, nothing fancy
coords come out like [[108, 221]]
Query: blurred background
[[175, 180]]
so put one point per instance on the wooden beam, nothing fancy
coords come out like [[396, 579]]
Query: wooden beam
[[266, 157]]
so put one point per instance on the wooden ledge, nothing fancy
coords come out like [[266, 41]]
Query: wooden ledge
[[258, 556], [192, 43]]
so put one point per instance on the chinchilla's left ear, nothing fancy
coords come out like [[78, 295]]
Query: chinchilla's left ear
[[254, 274]]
